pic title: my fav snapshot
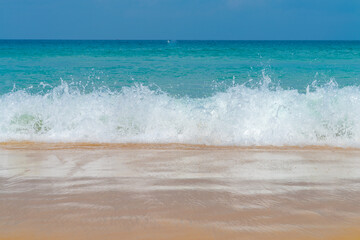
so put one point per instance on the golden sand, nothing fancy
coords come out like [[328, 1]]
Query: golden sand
[[172, 191]]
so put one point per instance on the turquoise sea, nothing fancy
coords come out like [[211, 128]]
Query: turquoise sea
[[241, 93]]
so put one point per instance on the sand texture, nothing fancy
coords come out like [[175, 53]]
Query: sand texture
[[178, 192]]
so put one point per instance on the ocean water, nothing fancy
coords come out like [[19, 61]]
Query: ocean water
[[242, 93]]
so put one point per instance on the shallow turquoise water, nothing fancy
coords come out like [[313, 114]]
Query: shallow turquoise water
[[203, 92], [193, 68]]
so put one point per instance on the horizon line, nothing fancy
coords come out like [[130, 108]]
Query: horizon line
[[112, 39]]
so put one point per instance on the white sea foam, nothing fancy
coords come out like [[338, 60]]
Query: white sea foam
[[240, 116]]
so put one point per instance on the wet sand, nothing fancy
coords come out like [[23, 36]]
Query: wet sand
[[99, 191]]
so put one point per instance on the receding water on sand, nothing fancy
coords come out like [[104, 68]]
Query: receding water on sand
[[178, 193]]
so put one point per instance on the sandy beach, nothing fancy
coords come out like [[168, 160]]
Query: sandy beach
[[99, 191]]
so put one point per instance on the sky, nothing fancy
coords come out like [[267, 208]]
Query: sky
[[181, 19]]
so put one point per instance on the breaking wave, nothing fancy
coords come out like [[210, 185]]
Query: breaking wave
[[241, 116]]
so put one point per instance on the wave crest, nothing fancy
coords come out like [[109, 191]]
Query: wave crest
[[241, 116]]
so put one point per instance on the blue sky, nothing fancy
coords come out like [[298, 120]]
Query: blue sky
[[180, 19]]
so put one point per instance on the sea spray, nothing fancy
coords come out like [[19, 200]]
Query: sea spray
[[240, 116]]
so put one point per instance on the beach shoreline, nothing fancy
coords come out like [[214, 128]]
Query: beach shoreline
[[38, 145]]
